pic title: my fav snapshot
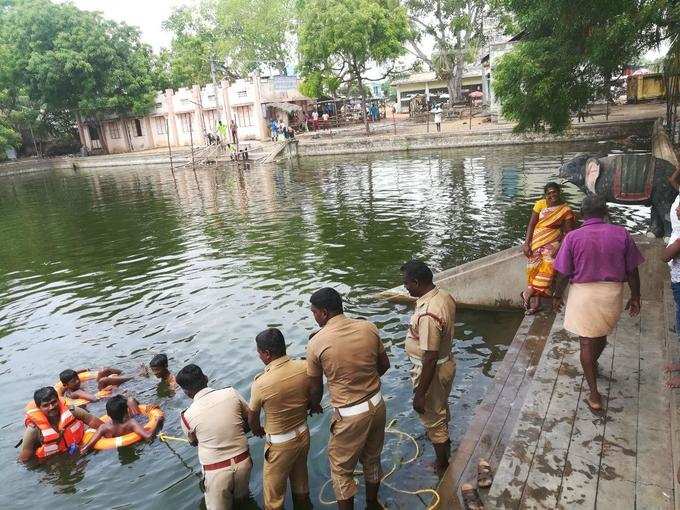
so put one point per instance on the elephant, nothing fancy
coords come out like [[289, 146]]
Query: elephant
[[636, 179]]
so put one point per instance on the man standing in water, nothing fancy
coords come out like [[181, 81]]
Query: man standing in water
[[52, 427], [282, 391], [597, 258], [216, 422], [352, 357], [428, 346]]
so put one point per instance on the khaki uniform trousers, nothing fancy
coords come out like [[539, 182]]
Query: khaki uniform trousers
[[436, 417], [356, 438], [283, 462], [223, 486]]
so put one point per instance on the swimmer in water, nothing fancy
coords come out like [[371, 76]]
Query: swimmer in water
[[107, 379], [159, 367], [119, 410]]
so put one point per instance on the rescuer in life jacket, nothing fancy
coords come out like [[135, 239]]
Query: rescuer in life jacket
[[53, 428]]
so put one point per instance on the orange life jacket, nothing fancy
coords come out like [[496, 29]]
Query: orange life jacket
[[71, 430]]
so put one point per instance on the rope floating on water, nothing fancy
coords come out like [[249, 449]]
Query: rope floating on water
[[390, 429]]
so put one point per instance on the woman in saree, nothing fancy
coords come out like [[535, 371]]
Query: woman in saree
[[550, 220]]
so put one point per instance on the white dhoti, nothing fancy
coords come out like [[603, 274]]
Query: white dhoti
[[593, 309]]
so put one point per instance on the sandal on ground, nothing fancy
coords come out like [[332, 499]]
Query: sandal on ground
[[596, 408], [471, 499], [484, 474], [532, 311], [525, 301]]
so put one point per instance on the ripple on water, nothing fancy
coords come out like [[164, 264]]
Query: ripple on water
[[113, 266]]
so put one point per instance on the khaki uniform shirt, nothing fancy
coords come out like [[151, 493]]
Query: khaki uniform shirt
[[432, 324], [346, 352], [216, 418], [282, 391]]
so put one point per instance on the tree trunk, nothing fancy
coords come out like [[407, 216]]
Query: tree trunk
[[363, 102], [102, 140]]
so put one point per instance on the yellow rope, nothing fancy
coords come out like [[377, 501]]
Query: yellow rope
[[164, 437], [390, 429]]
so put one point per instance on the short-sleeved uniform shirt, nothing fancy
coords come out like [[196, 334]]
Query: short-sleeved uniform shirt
[[432, 324], [216, 418], [33, 438], [346, 351], [282, 391], [598, 252]]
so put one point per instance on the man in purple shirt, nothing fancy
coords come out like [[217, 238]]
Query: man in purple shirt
[[597, 259]]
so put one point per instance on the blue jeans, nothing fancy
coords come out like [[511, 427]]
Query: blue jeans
[[676, 296]]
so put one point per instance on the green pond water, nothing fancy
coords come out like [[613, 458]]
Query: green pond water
[[111, 266]]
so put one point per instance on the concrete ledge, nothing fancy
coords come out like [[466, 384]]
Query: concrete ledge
[[491, 137], [495, 281]]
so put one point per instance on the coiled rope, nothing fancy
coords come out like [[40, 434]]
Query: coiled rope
[[391, 430]]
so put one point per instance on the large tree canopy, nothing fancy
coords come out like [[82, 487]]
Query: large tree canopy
[[569, 52], [240, 35], [339, 40], [58, 62]]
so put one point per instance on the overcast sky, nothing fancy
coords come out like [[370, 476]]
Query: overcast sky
[[147, 15]]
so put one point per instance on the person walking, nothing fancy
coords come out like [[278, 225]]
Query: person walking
[[234, 131], [351, 355], [216, 422], [438, 118], [428, 346], [281, 390], [597, 259]]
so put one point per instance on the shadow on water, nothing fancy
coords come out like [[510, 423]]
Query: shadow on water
[[112, 266]]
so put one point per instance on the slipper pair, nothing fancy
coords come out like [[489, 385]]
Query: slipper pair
[[471, 499]]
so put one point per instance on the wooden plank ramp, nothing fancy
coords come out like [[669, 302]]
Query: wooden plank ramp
[[561, 455], [494, 420]]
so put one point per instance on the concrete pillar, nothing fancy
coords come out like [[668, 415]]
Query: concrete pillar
[[260, 122], [148, 134], [427, 93], [398, 100], [198, 123], [172, 120], [226, 114]]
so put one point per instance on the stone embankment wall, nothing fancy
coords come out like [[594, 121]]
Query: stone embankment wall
[[35, 165], [491, 137]]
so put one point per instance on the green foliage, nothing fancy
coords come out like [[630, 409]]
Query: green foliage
[[457, 29], [339, 40], [242, 35], [568, 55], [8, 136], [56, 61]]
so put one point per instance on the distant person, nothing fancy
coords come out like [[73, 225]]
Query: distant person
[[216, 422], [234, 131], [351, 355], [53, 428], [597, 259], [159, 368], [274, 130], [438, 118], [551, 219], [121, 423], [315, 120], [106, 378], [671, 255], [429, 341], [222, 131], [281, 390]]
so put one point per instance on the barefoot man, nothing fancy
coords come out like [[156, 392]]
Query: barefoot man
[[428, 346], [597, 259]]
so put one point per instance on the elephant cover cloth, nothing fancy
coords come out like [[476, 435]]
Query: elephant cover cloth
[[544, 243]]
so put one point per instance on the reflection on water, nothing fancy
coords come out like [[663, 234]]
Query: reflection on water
[[112, 266]]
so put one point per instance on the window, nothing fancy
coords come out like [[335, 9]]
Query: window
[[138, 128], [244, 116], [185, 119], [160, 125], [114, 130]]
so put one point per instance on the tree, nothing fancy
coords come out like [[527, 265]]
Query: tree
[[340, 40], [242, 35], [568, 56], [457, 28], [59, 62]]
